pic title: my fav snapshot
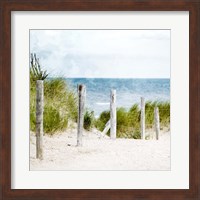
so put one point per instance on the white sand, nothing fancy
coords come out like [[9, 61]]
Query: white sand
[[61, 153]]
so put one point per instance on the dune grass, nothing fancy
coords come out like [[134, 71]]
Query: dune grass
[[89, 119], [60, 105], [128, 121]]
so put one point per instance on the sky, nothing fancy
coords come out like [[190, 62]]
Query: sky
[[103, 53]]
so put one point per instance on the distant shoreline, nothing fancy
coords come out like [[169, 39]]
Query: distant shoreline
[[128, 91]]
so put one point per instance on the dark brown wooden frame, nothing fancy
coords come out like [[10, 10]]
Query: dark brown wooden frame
[[193, 6]]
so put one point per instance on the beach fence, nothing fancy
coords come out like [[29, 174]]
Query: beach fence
[[110, 125], [142, 121], [112, 122]]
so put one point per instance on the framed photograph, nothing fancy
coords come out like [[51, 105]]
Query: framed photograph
[[100, 100]]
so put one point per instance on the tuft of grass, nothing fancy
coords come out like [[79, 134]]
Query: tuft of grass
[[36, 73], [164, 112], [122, 122], [102, 120], [128, 121], [60, 105], [88, 120], [60, 102], [149, 114], [53, 120], [58, 94]]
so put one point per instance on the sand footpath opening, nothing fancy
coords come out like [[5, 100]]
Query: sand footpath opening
[[61, 153]]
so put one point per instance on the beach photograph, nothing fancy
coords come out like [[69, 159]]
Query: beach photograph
[[99, 100]]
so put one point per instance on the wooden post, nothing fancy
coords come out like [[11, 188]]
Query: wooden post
[[81, 108], [113, 115], [39, 118], [142, 118], [157, 122], [106, 129]]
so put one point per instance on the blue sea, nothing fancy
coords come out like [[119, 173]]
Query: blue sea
[[128, 91]]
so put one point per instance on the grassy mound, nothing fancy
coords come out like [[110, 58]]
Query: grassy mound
[[60, 105], [128, 122]]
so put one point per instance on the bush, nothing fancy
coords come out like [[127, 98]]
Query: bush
[[88, 120], [102, 120]]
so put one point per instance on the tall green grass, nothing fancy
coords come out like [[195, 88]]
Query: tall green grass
[[128, 121], [60, 105], [89, 119]]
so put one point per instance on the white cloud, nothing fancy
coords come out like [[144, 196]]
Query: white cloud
[[103, 53]]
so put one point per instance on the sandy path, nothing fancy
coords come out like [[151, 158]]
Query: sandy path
[[61, 153]]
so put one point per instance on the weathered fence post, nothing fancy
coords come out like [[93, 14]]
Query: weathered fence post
[[106, 129], [157, 122], [81, 108], [39, 118], [142, 118], [113, 115]]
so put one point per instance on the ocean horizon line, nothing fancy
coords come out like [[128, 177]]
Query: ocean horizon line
[[129, 91]]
